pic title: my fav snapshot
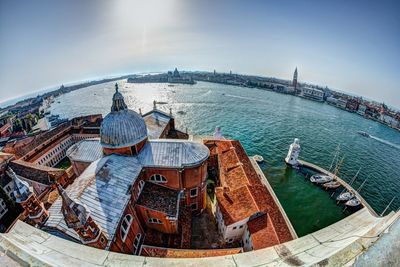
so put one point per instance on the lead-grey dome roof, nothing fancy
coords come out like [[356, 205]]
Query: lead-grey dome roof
[[122, 127]]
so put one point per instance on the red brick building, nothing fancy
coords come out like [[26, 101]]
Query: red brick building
[[138, 187]]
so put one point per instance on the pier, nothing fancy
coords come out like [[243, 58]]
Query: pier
[[302, 163]]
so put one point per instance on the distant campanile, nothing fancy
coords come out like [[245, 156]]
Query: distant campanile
[[295, 79]]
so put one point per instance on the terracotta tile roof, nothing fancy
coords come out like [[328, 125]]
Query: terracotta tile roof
[[235, 205], [23, 146], [263, 233], [187, 253], [266, 203], [242, 194], [167, 200], [5, 127]]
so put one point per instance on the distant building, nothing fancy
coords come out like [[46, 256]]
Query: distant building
[[6, 129], [331, 100], [169, 77], [341, 103], [313, 94], [176, 73], [361, 109], [352, 104], [372, 112]]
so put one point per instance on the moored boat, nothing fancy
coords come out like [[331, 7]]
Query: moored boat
[[331, 185], [320, 179], [354, 202], [258, 158], [345, 196]]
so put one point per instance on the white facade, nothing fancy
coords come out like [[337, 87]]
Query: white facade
[[361, 109], [9, 188], [293, 153], [341, 103], [56, 154], [246, 240], [3, 208], [331, 100], [389, 120], [232, 232], [314, 94]]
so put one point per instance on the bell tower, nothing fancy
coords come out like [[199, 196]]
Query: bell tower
[[294, 83], [77, 217], [24, 195]]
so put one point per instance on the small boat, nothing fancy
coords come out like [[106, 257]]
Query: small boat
[[331, 185], [345, 196], [171, 85], [320, 179], [258, 158], [354, 202], [181, 112], [363, 134]]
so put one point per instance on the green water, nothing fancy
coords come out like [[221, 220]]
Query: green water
[[266, 123]]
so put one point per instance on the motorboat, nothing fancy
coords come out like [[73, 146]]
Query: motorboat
[[320, 179], [354, 202], [258, 158], [345, 196], [363, 134], [331, 185]]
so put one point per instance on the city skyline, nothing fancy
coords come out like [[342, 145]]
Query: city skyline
[[352, 47]]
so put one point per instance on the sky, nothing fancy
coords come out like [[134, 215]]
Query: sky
[[353, 46]]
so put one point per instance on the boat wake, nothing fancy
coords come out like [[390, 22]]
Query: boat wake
[[243, 97], [385, 142], [206, 93]]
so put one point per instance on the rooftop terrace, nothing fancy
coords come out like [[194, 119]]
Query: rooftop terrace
[[159, 198]]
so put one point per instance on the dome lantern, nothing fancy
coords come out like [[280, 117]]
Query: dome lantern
[[122, 130], [118, 101]]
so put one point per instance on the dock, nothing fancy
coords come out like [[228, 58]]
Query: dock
[[316, 168]]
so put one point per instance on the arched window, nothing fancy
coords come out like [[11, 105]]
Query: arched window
[[140, 187], [136, 244], [125, 225], [158, 178]]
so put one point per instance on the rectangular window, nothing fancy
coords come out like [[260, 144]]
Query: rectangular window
[[234, 227], [193, 206], [240, 227], [155, 220], [193, 192]]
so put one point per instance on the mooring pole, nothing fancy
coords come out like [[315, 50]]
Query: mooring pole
[[390, 203]]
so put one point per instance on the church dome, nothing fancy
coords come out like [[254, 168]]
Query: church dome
[[122, 127]]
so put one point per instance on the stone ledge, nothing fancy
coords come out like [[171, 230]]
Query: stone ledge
[[25, 245]]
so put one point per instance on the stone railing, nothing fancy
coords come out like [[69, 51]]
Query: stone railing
[[336, 245]]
